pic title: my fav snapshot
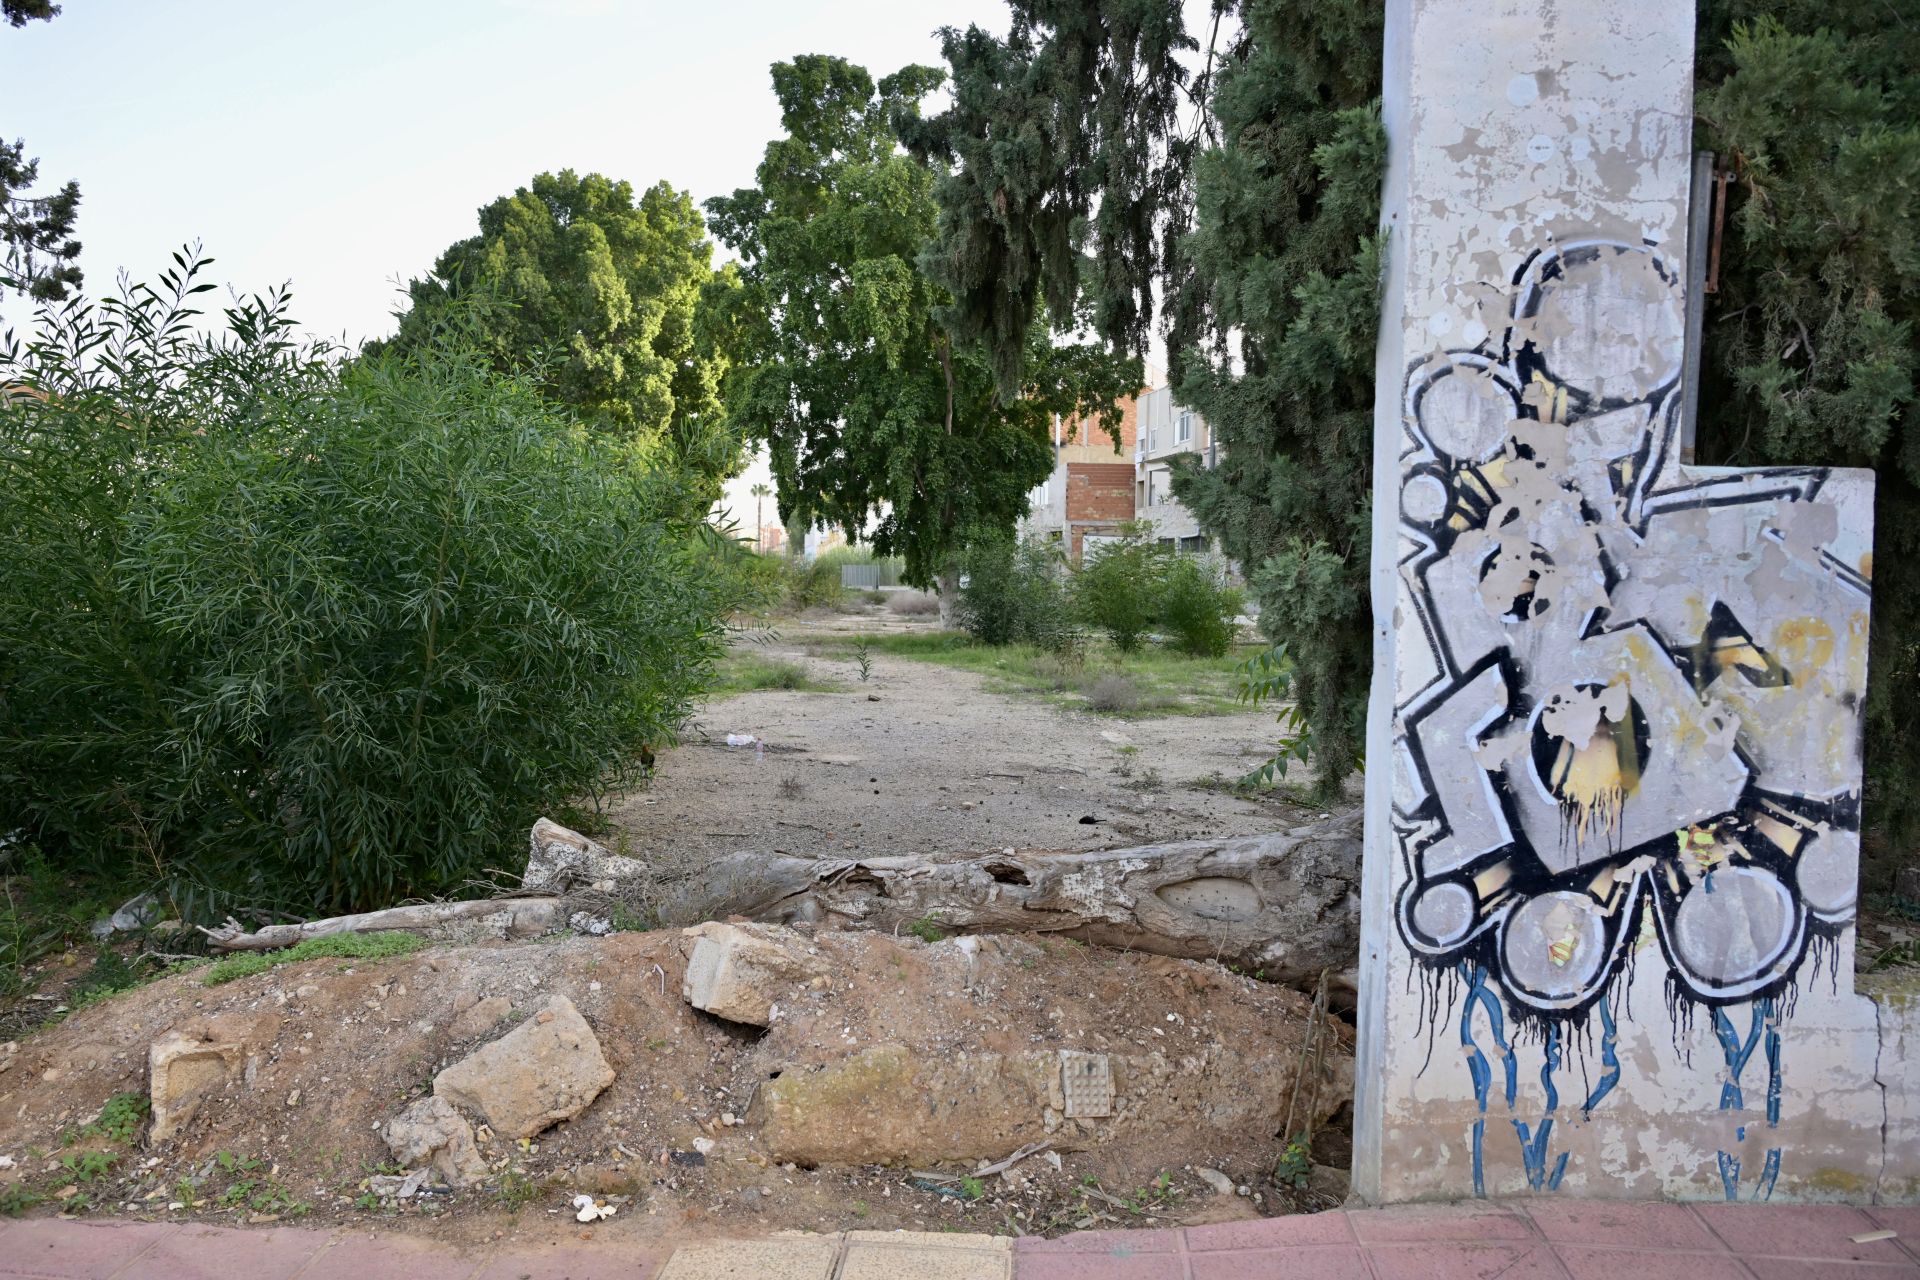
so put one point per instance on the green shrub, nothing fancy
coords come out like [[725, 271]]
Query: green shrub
[[1011, 593], [290, 631], [1197, 608], [1119, 589]]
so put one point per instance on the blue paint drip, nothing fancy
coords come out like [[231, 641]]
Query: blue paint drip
[[1609, 1057], [1738, 1052], [1533, 1147], [1477, 1068]]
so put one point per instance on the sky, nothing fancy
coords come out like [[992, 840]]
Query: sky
[[343, 145]]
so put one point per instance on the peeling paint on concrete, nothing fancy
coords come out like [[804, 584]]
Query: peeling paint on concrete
[[1613, 806]]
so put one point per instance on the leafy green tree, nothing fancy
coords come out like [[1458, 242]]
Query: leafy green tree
[[1812, 350], [40, 254], [600, 298], [868, 408]]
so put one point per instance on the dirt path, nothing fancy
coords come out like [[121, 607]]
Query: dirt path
[[924, 759]]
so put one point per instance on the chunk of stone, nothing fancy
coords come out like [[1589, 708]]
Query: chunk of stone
[[739, 974], [431, 1134], [181, 1071], [547, 1069], [479, 1018], [559, 859]]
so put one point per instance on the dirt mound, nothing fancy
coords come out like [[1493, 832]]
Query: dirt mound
[[900, 1057]]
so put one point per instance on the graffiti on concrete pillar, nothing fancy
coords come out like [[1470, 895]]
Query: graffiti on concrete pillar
[[1635, 729]]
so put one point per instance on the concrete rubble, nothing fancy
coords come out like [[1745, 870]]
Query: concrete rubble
[[548, 1069]]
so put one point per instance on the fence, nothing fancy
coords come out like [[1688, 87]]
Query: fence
[[870, 577]]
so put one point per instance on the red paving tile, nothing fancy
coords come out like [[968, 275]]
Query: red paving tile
[[79, 1250], [1823, 1269], [1815, 1232], [391, 1257], [1460, 1260], [1094, 1266], [609, 1262], [1118, 1244], [1440, 1222], [196, 1252], [1584, 1262], [1273, 1233], [1308, 1262], [1623, 1226]]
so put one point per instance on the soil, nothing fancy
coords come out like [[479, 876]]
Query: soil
[[922, 759], [334, 1048]]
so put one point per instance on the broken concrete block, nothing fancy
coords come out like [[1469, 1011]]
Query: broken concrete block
[[738, 974], [547, 1069], [431, 1133], [1086, 1079], [181, 1071], [559, 859]]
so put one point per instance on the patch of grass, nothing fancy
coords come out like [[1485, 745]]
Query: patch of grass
[[350, 946], [1113, 692], [1168, 683], [42, 911], [743, 671]]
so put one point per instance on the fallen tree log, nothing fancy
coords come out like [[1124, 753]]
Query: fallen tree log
[[1284, 905], [446, 921]]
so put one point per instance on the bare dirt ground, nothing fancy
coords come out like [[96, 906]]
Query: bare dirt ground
[[1203, 1065], [923, 759]]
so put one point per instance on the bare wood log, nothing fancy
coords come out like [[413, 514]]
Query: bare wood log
[[1285, 904], [494, 917]]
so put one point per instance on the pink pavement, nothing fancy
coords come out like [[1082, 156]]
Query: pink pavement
[[1555, 1239]]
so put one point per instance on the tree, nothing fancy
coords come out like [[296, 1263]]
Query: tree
[[869, 410], [41, 255], [760, 494], [600, 298], [1812, 348]]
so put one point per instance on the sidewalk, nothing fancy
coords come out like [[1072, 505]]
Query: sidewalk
[[1556, 1239]]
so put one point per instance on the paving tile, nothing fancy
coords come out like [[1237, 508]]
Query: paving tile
[[82, 1250], [1812, 1231], [1096, 1266], [1304, 1262], [934, 1240], [198, 1252], [603, 1262], [1903, 1218], [884, 1262], [1826, 1269], [1623, 1226], [798, 1258], [1456, 1260], [1112, 1244], [390, 1257], [1273, 1233], [1471, 1222], [1585, 1262]]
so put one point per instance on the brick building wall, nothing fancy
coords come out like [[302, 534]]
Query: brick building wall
[[1099, 500]]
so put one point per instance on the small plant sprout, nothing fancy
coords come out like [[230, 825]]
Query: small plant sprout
[[863, 659]]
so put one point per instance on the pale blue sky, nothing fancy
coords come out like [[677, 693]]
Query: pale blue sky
[[343, 145]]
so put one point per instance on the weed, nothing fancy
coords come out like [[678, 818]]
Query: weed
[[859, 1208], [927, 928], [743, 671], [972, 1188], [626, 920], [86, 1166], [655, 1046], [119, 1118], [516, 1191], [863, 658], [353, 946], [1113, 692], [913, 604], [791, 788], [231, 1163], [1295, 1165], [19, 1198]]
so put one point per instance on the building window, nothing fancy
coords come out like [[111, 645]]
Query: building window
[[1194, 544], [1183, 427]]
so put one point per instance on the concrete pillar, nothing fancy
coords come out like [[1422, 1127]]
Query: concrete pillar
[[1614, 753]]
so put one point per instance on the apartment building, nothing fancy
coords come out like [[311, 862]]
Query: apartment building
[[1167, 431], [1090, 494]]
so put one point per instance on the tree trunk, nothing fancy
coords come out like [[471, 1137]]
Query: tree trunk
[[446, 921], [1285, 906], [949, 596]]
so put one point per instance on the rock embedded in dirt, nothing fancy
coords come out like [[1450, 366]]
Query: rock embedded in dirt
[[740, 974], [559, 859], [547, 1069], [181, 1071], [431, 1133], [479, 1018], [1220, 1182]]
